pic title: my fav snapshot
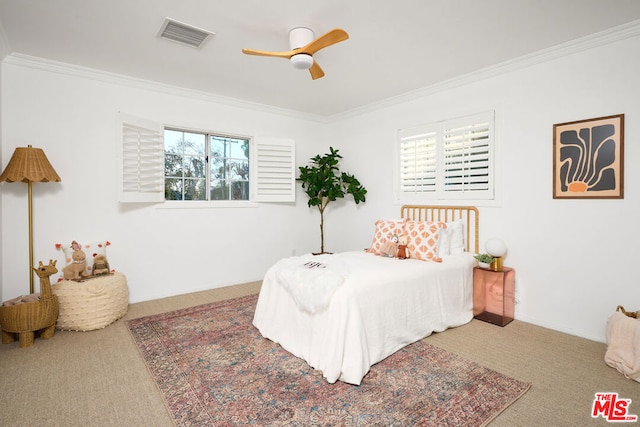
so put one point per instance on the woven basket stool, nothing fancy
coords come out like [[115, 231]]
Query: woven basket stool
[[92, 304]]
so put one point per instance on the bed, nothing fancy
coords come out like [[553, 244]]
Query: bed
[[342, 313]]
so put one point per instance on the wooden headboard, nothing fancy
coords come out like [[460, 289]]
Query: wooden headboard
[[468, 215]]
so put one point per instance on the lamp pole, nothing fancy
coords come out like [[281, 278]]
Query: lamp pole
[[30, 196]]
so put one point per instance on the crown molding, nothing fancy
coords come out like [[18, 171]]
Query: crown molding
[[64, 68], [602, 38]]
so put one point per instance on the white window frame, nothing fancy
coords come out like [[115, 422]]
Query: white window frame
[[141, 167], [426, 174]]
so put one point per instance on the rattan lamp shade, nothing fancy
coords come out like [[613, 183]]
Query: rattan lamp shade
[[29, 165]]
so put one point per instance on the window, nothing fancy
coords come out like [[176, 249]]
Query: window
[[170, 164], [200, 166], [452, 159]]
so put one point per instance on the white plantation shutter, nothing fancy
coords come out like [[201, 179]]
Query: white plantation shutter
[[452, 159], [274, 177], [418, 161], [467, 146], [141, 160]]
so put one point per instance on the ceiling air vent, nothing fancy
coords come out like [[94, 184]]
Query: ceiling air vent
[[183, 33]]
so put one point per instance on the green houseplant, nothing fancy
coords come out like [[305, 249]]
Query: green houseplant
[[485, 260], [323, 183]]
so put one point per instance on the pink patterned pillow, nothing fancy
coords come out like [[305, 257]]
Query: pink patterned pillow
[[423, 239], [384, 231]]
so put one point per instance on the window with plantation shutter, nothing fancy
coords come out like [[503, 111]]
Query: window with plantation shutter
[[189, 167], [274, 170], [452, 159], [141, 160]]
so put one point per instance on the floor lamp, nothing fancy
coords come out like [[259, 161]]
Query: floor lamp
[[29, 165]]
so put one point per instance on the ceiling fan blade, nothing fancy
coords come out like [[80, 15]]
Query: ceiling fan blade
[[287, 54], [332, 37], [315, 71]]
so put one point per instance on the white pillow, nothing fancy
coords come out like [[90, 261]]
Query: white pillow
[[451, 240], [456, 228], [444, 243]]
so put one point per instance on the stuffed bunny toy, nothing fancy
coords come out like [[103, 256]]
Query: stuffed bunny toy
[[78, 266]]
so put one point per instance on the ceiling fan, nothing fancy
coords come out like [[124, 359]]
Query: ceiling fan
[[303, 46]]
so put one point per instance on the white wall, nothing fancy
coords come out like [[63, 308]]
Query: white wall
[[4, 51], [574, 259], [73, 117]]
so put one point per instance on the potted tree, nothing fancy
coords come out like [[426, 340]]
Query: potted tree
[[323, 183]]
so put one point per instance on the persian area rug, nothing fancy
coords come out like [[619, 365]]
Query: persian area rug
[[215, 369]]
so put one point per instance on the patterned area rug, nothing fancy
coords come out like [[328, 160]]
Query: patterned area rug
[[215, 369]]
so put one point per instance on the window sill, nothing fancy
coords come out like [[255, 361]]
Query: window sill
[[196, 204]]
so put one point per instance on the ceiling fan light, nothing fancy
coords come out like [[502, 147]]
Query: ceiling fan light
[[302, 61]]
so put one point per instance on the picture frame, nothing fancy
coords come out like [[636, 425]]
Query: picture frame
[[588, 158]]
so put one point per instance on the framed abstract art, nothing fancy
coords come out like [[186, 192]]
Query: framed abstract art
[[588, 159]]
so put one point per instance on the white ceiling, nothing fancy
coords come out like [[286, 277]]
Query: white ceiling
[[395, 47]]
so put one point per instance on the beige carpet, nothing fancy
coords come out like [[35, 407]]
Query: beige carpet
[[98, 378]]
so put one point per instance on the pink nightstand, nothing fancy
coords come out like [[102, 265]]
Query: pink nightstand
[[494, 295]]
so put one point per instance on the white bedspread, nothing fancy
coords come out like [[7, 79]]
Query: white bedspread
[[373, 307]]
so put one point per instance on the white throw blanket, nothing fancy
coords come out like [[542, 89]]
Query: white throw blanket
[[311, 279]]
